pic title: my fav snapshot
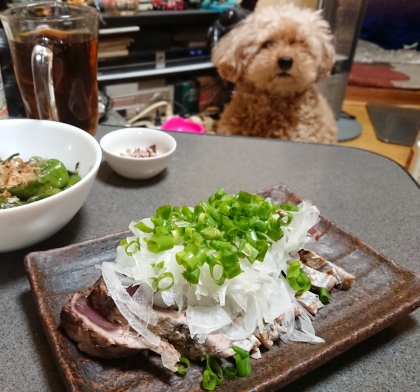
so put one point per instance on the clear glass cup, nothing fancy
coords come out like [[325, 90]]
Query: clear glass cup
[[54, 48]]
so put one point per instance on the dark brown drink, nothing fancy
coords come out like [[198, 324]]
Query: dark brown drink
[[74, 74]]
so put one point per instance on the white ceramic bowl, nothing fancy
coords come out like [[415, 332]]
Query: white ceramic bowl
[[29, 224], [117, 142]]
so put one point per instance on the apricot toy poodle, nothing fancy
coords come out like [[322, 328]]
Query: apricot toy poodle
[[274, 58]]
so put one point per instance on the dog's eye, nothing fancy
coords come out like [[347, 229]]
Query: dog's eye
[[267, 44]]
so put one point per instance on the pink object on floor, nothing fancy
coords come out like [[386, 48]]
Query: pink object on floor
[[180, 124]]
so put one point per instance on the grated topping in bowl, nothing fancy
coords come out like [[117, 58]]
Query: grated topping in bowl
[[147, 152], [15, 172]]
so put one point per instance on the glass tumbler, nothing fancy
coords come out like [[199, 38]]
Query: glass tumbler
[[54, 48]]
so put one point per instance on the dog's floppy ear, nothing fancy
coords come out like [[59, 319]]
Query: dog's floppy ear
[[230, 55], [327, 53]]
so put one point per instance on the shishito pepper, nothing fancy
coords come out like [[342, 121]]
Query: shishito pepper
[[50, 174], [47, 193], [74, 178]]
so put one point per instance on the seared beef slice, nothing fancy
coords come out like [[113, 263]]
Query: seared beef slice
[[94, 321], [101, 338], [94, 334]]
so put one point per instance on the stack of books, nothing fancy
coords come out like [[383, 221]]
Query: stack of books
[[115, 46]]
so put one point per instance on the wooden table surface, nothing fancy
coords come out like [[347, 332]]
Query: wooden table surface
[[368, 140], [355, 103]]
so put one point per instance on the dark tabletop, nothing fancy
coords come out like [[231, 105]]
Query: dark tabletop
[[366, 194]]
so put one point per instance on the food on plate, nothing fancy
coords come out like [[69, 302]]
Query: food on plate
[[220, 280], [25, 182], [343, 280], [147, 152]]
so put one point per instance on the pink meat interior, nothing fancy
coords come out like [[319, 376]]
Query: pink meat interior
[[84, 307]]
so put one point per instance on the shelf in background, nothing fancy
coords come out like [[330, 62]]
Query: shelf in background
[[386, 96], [153, 18], [118, 75]]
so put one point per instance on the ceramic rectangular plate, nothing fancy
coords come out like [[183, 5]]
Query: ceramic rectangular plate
[[382, 293]]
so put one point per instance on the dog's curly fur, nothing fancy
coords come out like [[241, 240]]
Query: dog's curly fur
[[268, 102]]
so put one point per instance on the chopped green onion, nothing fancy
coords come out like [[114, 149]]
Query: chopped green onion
[[164, 282], [202, 218], [197, 238], [286, 222], [220, 193], [217, 271], [160, 243], [160, 230], [289, 207], [134, 245], [189, 261], [159, 265], [239, 350], [211, 232], [187, 213], [251, 236], [224, 208], [204, 206], [230, 372], [232, 271], [143, 227], [157, 220], [193, 276], [275, 234], [213, 365], [293, 270], [243, 361], [215, 244], [263, 212], [169, 227], [250, 252], [189, 231], [262, 247], [225, 245], [229, 257], [164, 211], [209, 380], [201, 256], [297, 278], [215, 215], [179, 256], [260, 226], [182, 366], [175, 235], [324, 296], [242, 222], [190, 247], [220, 232]]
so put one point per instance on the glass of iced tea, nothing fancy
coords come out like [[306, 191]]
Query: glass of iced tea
[[54, 49]]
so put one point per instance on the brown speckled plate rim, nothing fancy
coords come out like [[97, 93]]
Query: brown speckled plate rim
[[273, 378]]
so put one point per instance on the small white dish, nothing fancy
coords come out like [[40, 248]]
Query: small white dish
[[117, 142]]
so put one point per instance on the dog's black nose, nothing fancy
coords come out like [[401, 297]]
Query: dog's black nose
[[285, 63]]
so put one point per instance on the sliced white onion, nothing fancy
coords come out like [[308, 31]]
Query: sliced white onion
[[236, 330], [203, 320], [125, 304], [235, 309], [144, 296]]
